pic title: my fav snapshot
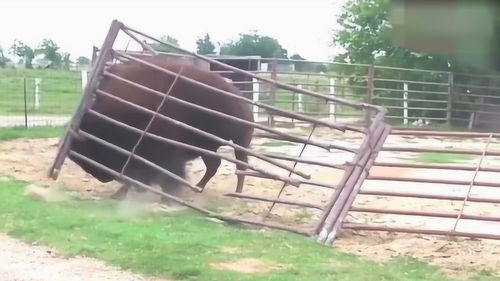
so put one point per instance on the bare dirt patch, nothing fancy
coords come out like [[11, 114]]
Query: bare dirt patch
[[249, 265], [29, 160], [24, 262]]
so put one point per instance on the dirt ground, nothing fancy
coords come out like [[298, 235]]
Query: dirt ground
[[29, 160], [25, 262]]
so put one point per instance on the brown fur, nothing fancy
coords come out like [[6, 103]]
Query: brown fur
[[169, 157]]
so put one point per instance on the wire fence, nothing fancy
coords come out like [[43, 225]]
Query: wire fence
[[413, 97]]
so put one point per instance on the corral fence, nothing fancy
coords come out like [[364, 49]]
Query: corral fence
[[290, 170], [413, 97], [451, 199]]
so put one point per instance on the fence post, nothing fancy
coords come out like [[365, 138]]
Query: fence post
[[331, 111], [300, 99], [25, 103], [369, 90], [449, 107], [405, 103], [255, 98], [274, 75], [84, 79], [38, 82]]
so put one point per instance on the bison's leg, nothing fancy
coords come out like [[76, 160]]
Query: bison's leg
[[242, 156], [212, 164], [121, 193]]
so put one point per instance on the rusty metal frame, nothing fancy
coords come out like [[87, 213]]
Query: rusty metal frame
[[465, 199], [333, 213]]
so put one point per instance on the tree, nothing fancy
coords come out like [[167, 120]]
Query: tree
[[205, 46], [3, 59], [365, 34], [66, 61], [164, 48], [24, 52], [50, 51], [82, 61], [254, 45]]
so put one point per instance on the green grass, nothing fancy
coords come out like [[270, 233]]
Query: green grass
[[442, 158], [60, 91], [184, 246], [36, 132]]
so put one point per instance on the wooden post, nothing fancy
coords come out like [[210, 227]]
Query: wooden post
[[38, 82], [84, 79], [255, 98], [369, 91], [274, 75], [405, 104], [300, 106], [331, 111], [449, 107]]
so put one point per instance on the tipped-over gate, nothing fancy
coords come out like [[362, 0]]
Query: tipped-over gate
[[347, 151]]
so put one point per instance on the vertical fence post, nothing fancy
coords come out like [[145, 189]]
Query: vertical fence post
[[405, 103], [449, 107], [255, 98], [25, 103], [331, 110], [38, 82], [84, 79], [300, 100], [274, 75], [369, 90]]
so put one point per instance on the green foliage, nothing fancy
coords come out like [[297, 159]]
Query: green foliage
[[443, 158], [254, 45], [204, 46], [66, 61], [185, 245], [3, 59], [164, 48], [50, 50], [61, 91], [25, 52], [31, 133], [82, 61]]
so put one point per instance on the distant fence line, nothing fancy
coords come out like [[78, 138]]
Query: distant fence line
[[413, 97]]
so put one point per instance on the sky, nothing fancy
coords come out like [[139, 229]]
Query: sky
[[301, 26]]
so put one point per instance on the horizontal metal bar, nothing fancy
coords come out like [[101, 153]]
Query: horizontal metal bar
[[412, 69], [330, 146], [276, 83], [141, 159], [437, 166], [475, 95], [416, 118], [410, 100], [476, 86], [274, 200], [191, 147], [429, 196], [415, 108], [268, 107], [475, 111], [424, 214], [308, 182], [412, 91], [213, 112], [435, 181], [410, 82], [438, 150], [421, 231], [135, 182], [201, 132], [302, 160], [442, 134]]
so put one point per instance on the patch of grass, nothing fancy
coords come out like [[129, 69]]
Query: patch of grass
[[184, 245], [60, 91], [32, 133], [443, 158]]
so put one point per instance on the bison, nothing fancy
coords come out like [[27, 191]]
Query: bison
[[167, 156]]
